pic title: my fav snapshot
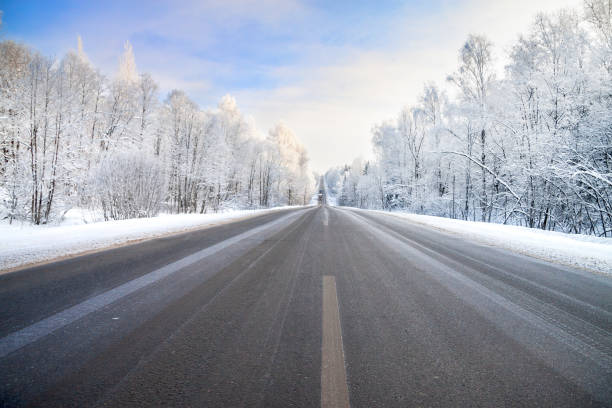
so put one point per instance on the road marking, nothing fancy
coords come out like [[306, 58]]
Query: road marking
[[36, 331], [325, 217], [334, 391]]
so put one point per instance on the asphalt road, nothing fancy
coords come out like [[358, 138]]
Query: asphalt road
[[307, 307]]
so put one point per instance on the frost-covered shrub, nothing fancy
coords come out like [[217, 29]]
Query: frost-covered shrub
[[129, 185]]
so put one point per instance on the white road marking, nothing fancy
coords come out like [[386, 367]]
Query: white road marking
[[36, 331], [325, 217], [334, 390]]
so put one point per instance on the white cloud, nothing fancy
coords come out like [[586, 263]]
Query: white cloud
[[333, 107]]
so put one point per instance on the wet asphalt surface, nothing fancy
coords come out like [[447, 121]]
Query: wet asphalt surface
[[427, 319]]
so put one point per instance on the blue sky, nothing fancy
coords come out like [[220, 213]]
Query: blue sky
[[327, 69], [239, 45]]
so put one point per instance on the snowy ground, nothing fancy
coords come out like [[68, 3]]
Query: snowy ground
[[581, 251], [22, 244]]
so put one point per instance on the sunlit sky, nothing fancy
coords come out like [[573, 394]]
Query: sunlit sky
[[329, 70]]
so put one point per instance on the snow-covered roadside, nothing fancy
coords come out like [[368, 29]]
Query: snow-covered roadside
[[581, 251], [23, 244]]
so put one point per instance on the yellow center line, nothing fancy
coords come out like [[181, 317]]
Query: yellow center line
[[334, 390]]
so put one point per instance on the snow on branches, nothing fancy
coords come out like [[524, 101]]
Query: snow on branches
[[71, 137], [532, 148]]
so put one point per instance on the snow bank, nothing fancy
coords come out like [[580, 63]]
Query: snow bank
[[22, 244], [581, 251]]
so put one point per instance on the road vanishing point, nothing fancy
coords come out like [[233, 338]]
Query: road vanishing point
[[308, 307]]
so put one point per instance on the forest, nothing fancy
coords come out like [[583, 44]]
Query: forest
[[71, 137], [531, 147]]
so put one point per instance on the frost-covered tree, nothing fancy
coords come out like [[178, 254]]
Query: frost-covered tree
[[292, 178], [128, 185], [532, 147], [475, 78], [70, 136]]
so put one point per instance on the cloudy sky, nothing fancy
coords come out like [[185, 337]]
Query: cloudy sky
[[329, 70]]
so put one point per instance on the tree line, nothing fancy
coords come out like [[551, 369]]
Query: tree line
[[72, 137], [532, 147]]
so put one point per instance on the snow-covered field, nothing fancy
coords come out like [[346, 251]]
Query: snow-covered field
[[22, 244], [581, 251]]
